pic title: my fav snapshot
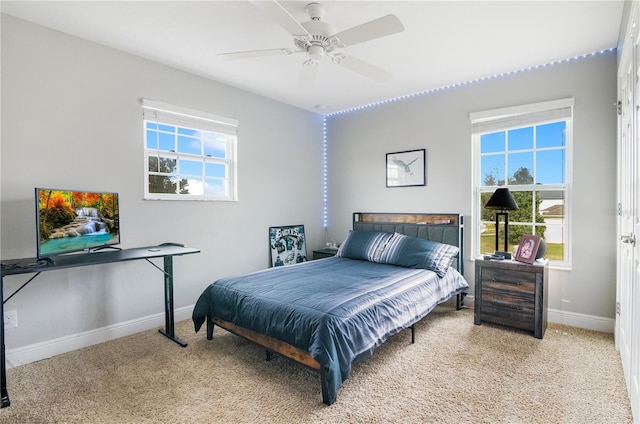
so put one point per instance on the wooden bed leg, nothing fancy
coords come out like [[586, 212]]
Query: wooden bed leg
[[269, 355], [209, 328], [460, 301], [413, 334]]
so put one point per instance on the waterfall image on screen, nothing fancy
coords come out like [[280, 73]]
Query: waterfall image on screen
[[69, 221]]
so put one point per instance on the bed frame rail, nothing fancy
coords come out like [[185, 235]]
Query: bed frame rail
[[274, 345]]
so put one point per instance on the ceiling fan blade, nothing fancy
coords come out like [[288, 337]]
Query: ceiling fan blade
[[365, 69], [256, 53], [281, 16], [371, 30], [307, 77]]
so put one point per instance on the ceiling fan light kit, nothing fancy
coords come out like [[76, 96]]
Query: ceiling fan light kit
[[314, 53], [317, 39]]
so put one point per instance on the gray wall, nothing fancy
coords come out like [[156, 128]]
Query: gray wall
[[71, 118], [439, 122]]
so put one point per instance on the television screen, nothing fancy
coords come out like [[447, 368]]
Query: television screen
[[71, 221]]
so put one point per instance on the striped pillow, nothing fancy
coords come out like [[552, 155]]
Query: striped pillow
[[364, 245], [413, 252]]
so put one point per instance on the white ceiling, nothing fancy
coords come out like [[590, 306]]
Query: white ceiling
[[444, 42]]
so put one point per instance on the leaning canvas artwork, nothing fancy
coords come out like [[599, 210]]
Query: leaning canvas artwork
[[288, 245]]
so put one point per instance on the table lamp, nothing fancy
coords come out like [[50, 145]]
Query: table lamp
[[503, 200]]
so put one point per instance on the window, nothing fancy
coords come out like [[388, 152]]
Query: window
[[528, 150], [189, 155]]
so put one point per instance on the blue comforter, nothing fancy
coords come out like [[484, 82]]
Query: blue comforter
[[337, 309]]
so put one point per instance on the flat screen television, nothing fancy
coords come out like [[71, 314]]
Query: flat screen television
[[72, 221]]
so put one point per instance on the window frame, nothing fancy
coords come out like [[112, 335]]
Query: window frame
[[222, 129], [511, 118]]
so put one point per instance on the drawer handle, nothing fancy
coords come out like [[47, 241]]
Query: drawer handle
[[507, 305], [517, 283]]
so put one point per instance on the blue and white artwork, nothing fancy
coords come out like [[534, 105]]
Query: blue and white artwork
[[288, 245], [407, 168]]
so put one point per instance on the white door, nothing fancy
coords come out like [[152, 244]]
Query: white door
[[629, 241], [628, 292]]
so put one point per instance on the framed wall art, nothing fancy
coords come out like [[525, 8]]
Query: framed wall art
[[406, 169], [288, 245], [528, 248]]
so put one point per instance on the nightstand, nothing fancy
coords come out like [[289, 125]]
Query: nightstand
[[512, 293], [324, 253]]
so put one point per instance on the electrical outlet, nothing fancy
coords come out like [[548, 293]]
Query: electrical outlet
[[10, 319]]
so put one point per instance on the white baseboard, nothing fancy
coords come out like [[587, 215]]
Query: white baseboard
[[47, 349], [589, 322]]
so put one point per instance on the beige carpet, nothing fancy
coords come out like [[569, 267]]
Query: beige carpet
[[456, 372]]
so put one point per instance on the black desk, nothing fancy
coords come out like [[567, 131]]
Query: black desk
[[35, 266]]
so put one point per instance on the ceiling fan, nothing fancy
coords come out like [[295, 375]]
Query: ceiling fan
[[318, 39]]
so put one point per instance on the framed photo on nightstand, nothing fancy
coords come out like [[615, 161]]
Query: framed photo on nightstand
[[527, 249]]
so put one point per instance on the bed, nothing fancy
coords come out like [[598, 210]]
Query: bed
[[389, 273]]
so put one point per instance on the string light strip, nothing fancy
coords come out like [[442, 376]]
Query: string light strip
[[477, 80], [325, 172], [422, 93]]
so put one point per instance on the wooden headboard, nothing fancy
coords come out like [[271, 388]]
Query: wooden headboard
[[441, 227]]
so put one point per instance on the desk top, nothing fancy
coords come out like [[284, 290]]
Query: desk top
[[29, 265]]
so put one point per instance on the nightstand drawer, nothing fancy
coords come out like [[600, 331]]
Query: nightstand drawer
[[509, 281], [511, 307], [523, 323]]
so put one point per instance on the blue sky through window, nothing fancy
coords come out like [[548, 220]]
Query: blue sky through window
[[514, 149]]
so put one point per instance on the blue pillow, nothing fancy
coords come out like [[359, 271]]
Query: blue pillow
[[413, 252], [364, 245]]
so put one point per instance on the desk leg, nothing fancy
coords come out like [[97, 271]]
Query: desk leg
[[4, 399], [169, 327]]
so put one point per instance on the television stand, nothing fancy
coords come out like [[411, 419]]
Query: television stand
[[36, 266]]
